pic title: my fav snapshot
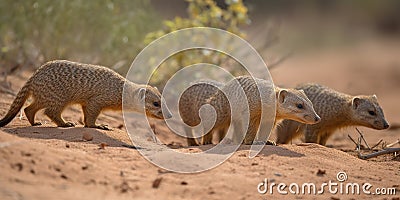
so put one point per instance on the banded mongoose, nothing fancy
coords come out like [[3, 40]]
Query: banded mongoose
[[59, 83], [291, 104], [337, 111], [191, 101]]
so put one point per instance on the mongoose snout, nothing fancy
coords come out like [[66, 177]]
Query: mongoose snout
[[153, 103], [312, 119], [381, 125]]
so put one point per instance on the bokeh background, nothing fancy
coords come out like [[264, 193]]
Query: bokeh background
[[111, 33]]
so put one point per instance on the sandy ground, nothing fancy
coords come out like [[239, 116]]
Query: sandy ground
[[57, 163]]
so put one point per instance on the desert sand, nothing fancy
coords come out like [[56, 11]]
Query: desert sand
[[46, 162]]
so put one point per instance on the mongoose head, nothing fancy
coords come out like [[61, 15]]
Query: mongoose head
[[152, 102], [147, 97], [367, 112], [294, 104]]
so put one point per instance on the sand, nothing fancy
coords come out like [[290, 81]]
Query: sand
[[60, 163]]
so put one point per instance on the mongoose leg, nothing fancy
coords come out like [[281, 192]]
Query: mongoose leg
[[191, 141], [289, 130], [252, 130], [54, 113], [207, 138], [238, 132], [91, 112], [311, 136], [222, 133], [323, 138], [31, 111]]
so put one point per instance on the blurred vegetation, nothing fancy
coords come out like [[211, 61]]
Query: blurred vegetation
[[107, 32], [112, 32], [201, 13]]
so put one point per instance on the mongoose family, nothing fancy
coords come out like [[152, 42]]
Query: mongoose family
[[337, 110], [291, 104], [59, 83]]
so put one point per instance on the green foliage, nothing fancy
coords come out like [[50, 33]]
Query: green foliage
[[101, 31], [202, 13]]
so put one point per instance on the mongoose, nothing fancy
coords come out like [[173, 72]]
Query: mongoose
[[59, 83], [337, 110], [291, 104], [191, 101]]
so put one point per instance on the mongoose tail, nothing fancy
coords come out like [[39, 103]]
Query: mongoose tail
[[16, 106]]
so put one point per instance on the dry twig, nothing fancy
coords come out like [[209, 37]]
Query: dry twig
[[348, 135], [378, 153], [394, 143], [362, 137], [377, 144]]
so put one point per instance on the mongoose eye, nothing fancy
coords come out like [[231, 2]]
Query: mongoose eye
[[156, 104], [372, 113], [300, 106]]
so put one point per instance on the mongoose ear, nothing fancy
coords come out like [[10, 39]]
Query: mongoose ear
[[374, 96], [156, 88], [282, 95], [142, 92], [356, 102]]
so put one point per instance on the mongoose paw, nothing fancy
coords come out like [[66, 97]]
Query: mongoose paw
[[270, 142], [259, 143], [36, 124], [103, 127], [206, 142], [68, 124], [193, 144]]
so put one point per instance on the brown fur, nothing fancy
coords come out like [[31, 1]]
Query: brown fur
[[337, 110], [196, 96], [191, 101], [59, 83]]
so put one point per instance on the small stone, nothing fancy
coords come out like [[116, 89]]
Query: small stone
[[184, 183], [157, 182], [63, 176], [17, 166], [103, 145], [321, 172], [277, 174], [87, 136]]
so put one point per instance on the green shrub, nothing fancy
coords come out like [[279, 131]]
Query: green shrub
[[201, 13], [102, 31]]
